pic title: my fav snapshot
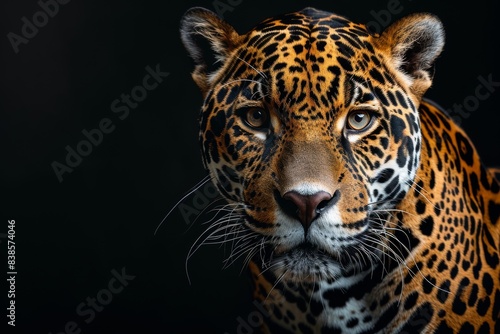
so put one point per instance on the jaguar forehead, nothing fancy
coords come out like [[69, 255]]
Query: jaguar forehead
[[302, 56]]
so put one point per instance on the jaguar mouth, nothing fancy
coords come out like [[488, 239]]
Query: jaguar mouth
[[307, 262], [307, 252], [304, 249], [318, 255]]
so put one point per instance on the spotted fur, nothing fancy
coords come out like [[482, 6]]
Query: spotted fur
[[360, 205]]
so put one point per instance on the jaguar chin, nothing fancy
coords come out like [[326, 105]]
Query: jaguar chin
[[317, 256]]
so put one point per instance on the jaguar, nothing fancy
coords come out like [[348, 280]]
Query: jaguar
[[358, 205]]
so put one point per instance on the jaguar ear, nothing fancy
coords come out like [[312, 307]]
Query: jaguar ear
[[209, 41], [414, 43]]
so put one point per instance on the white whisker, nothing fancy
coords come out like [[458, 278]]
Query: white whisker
[[192, 190]]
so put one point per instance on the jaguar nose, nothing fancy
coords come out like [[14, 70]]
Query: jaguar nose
[[306, 207]]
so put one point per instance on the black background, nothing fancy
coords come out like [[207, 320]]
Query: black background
[[71, 234]]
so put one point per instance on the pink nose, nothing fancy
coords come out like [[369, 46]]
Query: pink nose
[[307, 207]]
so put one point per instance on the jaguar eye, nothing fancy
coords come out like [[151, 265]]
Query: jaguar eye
[[256, 118], [358, 120]]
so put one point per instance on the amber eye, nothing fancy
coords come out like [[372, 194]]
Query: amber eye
[[256, 118], [358, 120]]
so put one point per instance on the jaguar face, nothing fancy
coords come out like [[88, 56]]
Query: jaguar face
[[310, 129]]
